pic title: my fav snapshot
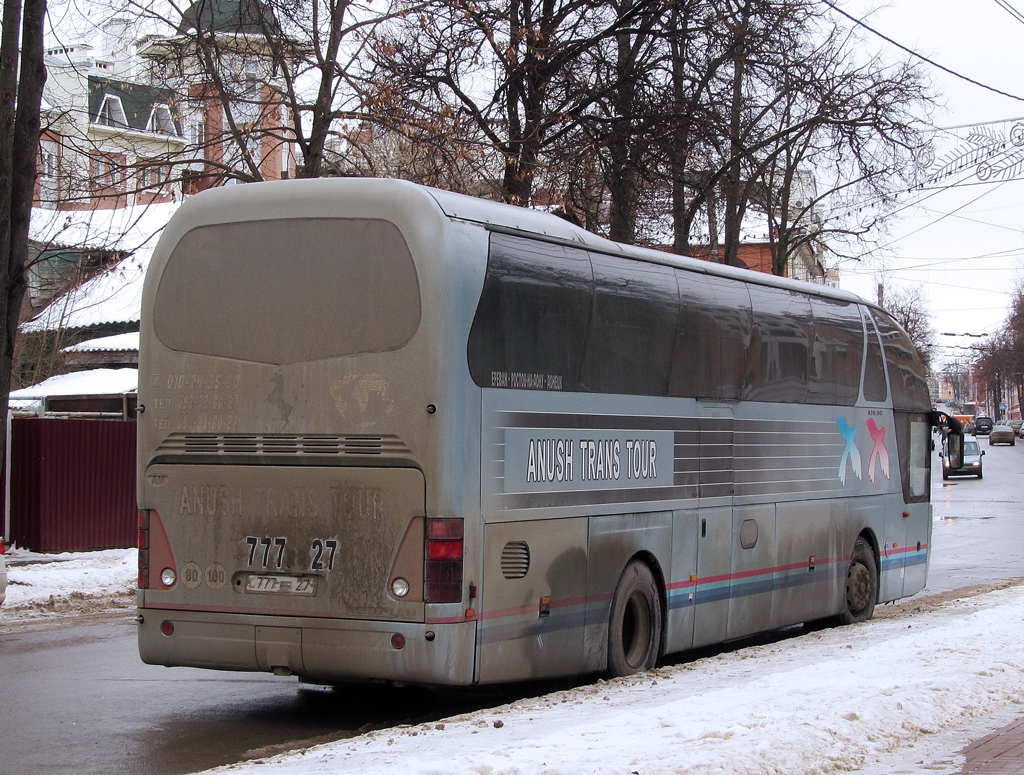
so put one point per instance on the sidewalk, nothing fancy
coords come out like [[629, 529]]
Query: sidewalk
[[999, 753]]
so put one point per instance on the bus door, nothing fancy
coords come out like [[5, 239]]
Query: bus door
[[919, 511], [892, 561], [714, 526]]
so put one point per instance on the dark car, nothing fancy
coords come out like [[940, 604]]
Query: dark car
[[1002, 434], [983, 425]]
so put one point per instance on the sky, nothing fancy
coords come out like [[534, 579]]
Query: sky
[[898, 694], [962, 244]]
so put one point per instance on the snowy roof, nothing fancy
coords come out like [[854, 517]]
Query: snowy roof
[[82, 383], [112, 297], [117, 343], [126, 228]]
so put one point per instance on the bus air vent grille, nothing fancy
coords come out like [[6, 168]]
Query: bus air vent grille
[[515, 560], [316, 445]]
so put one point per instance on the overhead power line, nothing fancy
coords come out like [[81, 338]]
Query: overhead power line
[[923, 58], [1010, 10]]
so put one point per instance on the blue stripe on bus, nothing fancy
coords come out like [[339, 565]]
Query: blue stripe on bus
[[683, 595], [726, 589]]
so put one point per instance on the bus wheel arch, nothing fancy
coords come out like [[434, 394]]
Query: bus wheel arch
[[636, 621], [860, 591]]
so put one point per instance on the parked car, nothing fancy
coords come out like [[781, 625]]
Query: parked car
[[1002, 434], [972, 460], [3, 573], [983, 425], [1016, 425]]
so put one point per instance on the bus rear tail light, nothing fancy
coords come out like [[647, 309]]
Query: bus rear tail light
[[442, 567], [154, 552], [143, 549]]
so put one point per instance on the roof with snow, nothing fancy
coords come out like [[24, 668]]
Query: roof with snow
[[115, 296], [112, 297], [118, 343], [126, 229], [83, 383]]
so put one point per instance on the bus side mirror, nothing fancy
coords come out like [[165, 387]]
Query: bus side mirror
[[955, 449]]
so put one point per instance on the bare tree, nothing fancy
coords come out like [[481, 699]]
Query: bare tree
[[738, 105], [500, 78], [908, 306], [797, 102], [957, 371], [22, 76], [1001, 359], [265, 86]]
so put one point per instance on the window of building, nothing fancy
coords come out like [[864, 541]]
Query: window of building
[[197, 132], [49, 174], [160, 121], [112, 113], [152, 174], [107, 171]]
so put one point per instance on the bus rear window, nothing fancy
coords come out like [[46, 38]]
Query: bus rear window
[[288, 291]]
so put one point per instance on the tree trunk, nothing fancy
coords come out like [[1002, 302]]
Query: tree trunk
[[20, 144]]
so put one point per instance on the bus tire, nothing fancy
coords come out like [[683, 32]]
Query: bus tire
[[861, 585], [634, 628]]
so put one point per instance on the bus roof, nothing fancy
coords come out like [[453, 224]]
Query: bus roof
[[499, 215], [235, 202]]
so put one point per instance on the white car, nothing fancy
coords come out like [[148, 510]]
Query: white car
[[972, 460], [3, 573]]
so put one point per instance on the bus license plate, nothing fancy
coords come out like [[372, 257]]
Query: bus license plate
[[283, 585]]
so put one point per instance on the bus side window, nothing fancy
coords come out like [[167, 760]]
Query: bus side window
[[837, 352], [778, 362], [874, 367], [629, 347], [532, 319], [913, 445], [712, 336], [907, 377]]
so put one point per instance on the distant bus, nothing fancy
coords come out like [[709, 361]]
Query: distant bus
[[388, 433]]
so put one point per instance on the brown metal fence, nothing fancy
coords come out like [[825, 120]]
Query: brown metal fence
[[73, 484]]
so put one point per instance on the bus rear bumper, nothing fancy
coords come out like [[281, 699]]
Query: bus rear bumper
[[317, 650]]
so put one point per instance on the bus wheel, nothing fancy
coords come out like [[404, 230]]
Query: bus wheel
[[634, 630], [861, 585]]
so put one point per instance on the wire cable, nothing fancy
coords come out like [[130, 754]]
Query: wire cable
[[923, 58], [1010, 10]]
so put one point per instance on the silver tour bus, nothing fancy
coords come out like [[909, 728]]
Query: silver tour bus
[[388, 433]]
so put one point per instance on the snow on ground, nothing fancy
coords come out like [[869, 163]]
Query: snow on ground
[[900, 694], [51, 585], [862, 698]]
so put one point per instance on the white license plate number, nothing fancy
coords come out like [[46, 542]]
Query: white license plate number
[[281, 585]]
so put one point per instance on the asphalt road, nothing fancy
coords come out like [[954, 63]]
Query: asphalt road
[[77, 699]]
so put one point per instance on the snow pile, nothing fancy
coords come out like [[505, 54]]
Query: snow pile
[[44, 585]]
